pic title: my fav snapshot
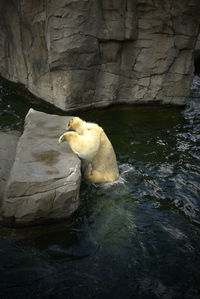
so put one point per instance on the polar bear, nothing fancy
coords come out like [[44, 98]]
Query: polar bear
[[90, 143]]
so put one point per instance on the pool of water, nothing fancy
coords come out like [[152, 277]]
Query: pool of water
[[136, 238]]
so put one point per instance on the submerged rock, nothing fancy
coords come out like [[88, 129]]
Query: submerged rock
[[77, 54], [45, 178], [8, 143]]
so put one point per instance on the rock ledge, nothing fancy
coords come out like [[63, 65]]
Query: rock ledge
[[45, 178]]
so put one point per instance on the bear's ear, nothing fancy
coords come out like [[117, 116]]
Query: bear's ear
[[70, 123]]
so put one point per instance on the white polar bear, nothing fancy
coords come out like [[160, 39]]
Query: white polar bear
[[91, 144]]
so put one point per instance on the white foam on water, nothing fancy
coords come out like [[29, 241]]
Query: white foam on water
[[124, 171]]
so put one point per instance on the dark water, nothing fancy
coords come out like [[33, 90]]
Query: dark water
[[136, 238]]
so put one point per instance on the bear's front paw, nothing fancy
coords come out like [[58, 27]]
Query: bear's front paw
[[62, 138]]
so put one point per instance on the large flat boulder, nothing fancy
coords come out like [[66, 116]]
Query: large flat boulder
[[45, 178], [8, 143]]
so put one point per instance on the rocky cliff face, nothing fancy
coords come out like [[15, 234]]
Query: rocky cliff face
[[85, 53]]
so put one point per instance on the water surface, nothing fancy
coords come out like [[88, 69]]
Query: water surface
[[136, 238]]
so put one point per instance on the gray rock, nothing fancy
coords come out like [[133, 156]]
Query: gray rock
[[45, 178], [77, 54], [8, 143]]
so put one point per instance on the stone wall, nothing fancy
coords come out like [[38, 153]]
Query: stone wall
[[92, 53]]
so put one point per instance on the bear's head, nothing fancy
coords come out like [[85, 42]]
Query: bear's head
[[75, 124]]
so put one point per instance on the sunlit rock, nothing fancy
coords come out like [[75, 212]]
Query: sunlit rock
[[45, 178]]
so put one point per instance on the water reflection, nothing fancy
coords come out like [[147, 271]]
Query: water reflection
[[138, 237]]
